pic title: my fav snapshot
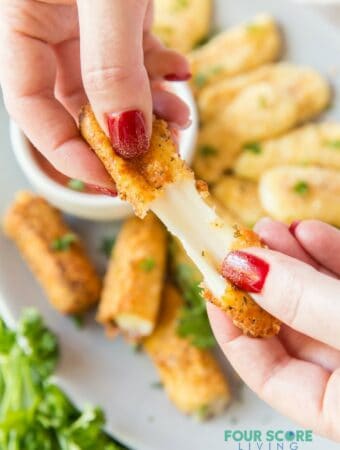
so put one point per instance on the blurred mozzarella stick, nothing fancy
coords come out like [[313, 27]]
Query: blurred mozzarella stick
[[298, 193], [178, 25], [239, 197], [235, 51], [161, 182], [191, 377], [133, 283], [260, 111], [310, 145], [53, 252]]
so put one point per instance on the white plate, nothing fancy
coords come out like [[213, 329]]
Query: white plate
[[110, 374]]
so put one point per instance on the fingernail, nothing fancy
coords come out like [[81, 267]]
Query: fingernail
[[245, 271], [177, 77], [103, 190], [293, 226], [128, 133]]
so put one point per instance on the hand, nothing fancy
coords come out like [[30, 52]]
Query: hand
[[297, 372], [57, 55]]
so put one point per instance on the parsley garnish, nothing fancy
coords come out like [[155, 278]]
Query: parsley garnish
[[147, 264], [76, 185], [78, 320], [107, 245], [207, 150], [334, 144], [157, 385], [301, 187], [63, 243], [201, 78], [253, 147], [202, 413]]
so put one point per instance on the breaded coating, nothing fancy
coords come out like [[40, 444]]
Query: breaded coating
[[182, 24], [240, 197], [260, 111], [139, 180], [66, 274], [191, 377], [310, 145], [235, 51], [245, 313], [298, 193], [133, 283]]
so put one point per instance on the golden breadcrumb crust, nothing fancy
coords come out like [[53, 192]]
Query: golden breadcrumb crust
[[140, 180], [67, 276], [245, 313], [192, 378], [134, 280]]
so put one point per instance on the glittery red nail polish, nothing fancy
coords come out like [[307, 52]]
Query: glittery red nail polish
[[128, 133], [245, 271], [177, 77], [293, 226]]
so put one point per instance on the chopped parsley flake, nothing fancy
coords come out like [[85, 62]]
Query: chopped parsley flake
[[147, 264], [76, 185], [263, 103], [157, 385], [107, 245], [181, 4], [201, 78], [202, 413], [301, 187], [78, 320], [253, 147], [63, 243], [207, 150], [334, 144]]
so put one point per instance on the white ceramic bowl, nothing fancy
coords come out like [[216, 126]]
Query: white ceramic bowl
[[89, 206]]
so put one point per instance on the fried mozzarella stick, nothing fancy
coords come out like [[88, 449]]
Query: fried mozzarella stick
[[181, 208], [260, 111], [310, 145], [53, 252], [133, 283], [298, 193], [235, 51], [178, 25], [191, 377], [239, 197]]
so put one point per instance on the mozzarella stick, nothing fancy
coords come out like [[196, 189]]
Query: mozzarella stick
[[298, 193], [191, 377], [310, 145], [260, 111], [133, 283], [178, 25], [53, 252], [179, 205], [235, 51], [240, 197]]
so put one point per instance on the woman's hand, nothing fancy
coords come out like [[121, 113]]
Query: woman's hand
[[56, 55], [297, 372]]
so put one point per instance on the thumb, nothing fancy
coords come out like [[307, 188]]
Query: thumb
[[114, 76], [295, 292]]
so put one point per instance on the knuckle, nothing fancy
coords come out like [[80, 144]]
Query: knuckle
[[98, 80]]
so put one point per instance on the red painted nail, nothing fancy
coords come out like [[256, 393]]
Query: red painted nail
[[128, 133], [245, 271], [293, 226], [177, 77]]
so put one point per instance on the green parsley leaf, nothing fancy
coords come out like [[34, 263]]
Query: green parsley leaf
[[301, 187], [253, 147], [207, 150], [334, 144], [64, 242], [202, 413], [147, 264], [76, 185], [200, 79], [107, 245]]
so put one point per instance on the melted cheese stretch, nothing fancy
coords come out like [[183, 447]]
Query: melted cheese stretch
[[205, 238]]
